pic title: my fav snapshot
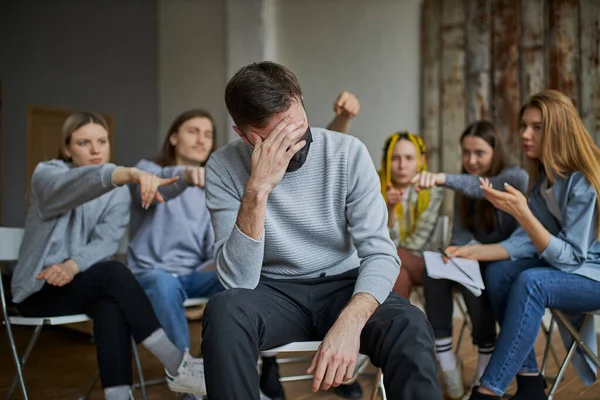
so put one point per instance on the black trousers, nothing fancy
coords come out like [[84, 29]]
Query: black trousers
[[117, 304], [439, 307], [238, 323]]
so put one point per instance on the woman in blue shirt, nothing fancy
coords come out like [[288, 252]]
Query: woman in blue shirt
[[553, 259]]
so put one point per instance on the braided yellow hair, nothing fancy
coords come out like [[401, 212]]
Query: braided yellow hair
[[406, 227]]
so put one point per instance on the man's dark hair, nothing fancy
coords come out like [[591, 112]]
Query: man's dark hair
[[259, 90]]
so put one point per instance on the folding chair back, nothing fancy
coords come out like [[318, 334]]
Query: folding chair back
[[578, 342], [10, 242]]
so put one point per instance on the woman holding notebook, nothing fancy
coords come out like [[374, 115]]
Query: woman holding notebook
[[475, 218], [553, 259]]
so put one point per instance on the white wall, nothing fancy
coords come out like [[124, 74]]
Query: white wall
[[191, 68], [97, 55], [369, 47]]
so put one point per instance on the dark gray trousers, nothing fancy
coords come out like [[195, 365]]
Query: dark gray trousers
[[238, 323]]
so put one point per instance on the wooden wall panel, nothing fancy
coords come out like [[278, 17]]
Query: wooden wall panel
[[430, 83], [589, 19], [478, 41], [520, 48], [453, 87], [564, 31], [532, 47], [506, 89]]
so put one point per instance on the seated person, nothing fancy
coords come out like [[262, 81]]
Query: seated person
[[474, 218], [412, 214], [78, 211], [553, 259], [302, 246], [171, 247], [345, 107]]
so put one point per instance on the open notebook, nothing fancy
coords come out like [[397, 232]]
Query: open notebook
[[438, 269]]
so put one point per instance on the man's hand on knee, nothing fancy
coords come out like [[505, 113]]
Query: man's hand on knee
[[336, 357]]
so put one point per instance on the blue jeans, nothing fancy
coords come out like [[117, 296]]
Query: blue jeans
[[167, 294], [520, 291]]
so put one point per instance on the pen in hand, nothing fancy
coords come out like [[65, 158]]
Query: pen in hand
[[455, 264]]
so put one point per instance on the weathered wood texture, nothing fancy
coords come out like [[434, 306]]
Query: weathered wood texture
[[479, 38], [452, 86], [589, 20], [430, 82], [481, 59], [506, 88]]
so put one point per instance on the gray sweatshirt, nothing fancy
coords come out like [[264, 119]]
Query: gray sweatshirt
[[74, 213], [468, 185], [175, 236], [326, 218]]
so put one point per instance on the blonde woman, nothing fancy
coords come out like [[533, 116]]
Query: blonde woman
[[553, 258], [78, 211], [412, 215]]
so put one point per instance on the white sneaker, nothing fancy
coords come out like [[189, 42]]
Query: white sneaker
[[453, 382], [190, 376]]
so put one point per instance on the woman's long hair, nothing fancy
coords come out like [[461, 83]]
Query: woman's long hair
[[167, 155], [481, 208], [566, 144]]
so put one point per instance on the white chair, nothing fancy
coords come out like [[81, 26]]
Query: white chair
[[10, 242], [559, 316], [311, 347]]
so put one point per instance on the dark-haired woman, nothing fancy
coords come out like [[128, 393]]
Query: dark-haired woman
[[477, 219]]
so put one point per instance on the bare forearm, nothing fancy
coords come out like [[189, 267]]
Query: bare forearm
[[251, 217], [339, 123], [391, 218], [121, 176], [490, 252], [539, 235], [358, 311]]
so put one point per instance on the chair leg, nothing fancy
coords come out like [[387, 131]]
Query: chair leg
[[376, 384], [548, 333], [28, 349], [15, 354], [138, 365], [91, 385], [382, 388], [575, 334], [466, 323], [562, 370]]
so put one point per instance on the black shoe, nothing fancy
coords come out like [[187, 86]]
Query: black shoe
[[530, 387], [475, 395], [269, 379], [351, 391]]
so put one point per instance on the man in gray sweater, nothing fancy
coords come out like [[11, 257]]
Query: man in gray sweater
[[302, 246]]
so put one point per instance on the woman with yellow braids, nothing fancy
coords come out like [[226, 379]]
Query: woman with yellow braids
[[412, 215]]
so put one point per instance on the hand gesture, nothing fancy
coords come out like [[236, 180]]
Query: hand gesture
[[469, 252], [394, 196], [428, 180], [512, 201], [59, 274], [335, 359], [272, 155], [194, 176], [149, 184], [347, 105]]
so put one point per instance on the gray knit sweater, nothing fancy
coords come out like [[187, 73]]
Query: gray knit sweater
[[74, 213], [326, 218]]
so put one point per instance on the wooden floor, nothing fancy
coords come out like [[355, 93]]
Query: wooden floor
[[64, 361]]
